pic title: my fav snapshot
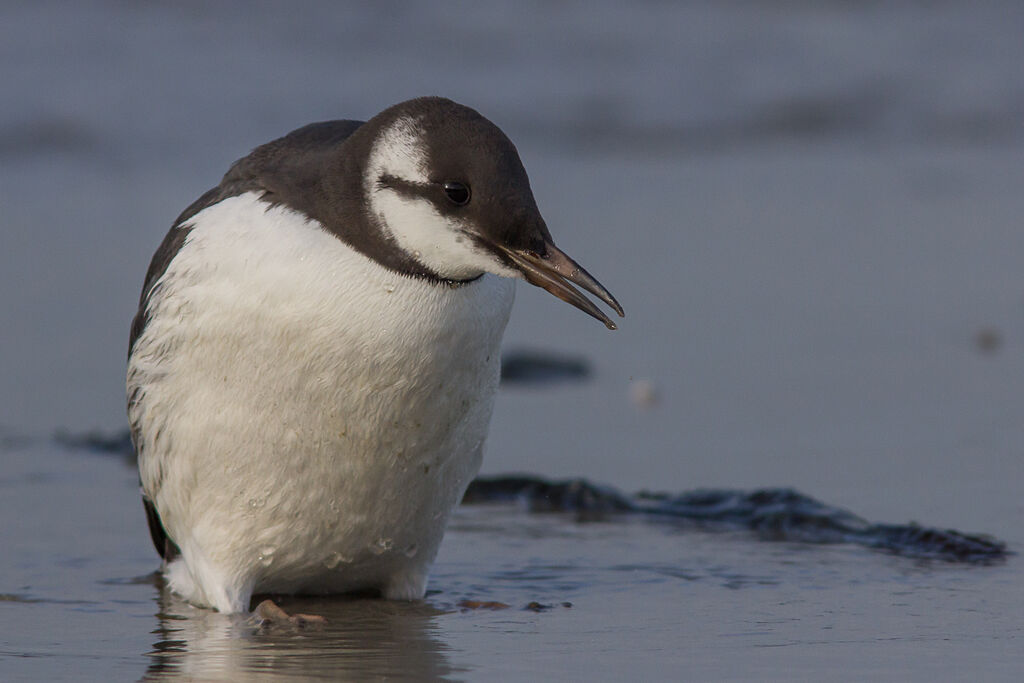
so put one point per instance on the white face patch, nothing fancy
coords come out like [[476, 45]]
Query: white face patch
[[438, 242]]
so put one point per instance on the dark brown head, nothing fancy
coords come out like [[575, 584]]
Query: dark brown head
[[449, 188]]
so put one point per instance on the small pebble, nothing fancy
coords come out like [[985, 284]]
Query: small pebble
[[643, 393], [482, 604], [988, 340], [540, 607]]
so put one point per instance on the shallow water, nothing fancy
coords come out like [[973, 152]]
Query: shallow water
[[810, 211], [614, 599]]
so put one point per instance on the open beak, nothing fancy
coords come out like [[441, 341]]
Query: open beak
[[554, 271]]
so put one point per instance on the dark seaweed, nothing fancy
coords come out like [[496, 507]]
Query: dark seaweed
[[775, 514]]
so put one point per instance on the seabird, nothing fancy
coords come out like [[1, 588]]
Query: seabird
[[313, 364]]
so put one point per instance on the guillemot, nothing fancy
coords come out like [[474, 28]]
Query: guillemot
[[312, 368]]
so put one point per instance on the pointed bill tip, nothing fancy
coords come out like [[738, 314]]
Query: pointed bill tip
[[566, 266], [554, 271]]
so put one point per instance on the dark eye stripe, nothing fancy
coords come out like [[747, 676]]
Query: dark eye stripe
[[457, 194], [400, 185]]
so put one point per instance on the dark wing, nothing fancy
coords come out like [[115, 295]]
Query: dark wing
[[167, 548], [272, 168]]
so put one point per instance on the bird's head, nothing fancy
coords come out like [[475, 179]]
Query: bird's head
[[449, 188]]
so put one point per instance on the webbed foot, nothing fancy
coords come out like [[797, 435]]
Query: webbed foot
[[269, 614]]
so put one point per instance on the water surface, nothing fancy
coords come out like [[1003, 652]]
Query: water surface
[[810, 211]]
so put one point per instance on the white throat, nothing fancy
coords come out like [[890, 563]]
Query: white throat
[[438, 242]]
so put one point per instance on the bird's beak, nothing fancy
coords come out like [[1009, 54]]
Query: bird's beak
[[554, 270]]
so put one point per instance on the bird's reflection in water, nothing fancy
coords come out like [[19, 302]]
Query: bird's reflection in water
[[364, 637]]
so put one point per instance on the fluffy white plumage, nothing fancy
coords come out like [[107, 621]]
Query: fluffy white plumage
[[311, 418]]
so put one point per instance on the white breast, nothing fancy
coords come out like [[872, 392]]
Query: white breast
[[306, 418]]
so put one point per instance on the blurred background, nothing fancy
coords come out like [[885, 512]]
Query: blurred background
[[810, 211]]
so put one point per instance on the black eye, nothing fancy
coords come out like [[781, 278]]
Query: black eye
[[457, 193]]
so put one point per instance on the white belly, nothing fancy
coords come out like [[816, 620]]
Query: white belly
[[306, 418]]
